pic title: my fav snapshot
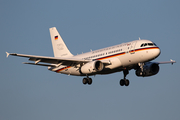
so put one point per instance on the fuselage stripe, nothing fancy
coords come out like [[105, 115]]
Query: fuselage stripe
[[63, 69], [146, 49]]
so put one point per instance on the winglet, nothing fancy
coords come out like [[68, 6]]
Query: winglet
[[7, 54], [173, 61]]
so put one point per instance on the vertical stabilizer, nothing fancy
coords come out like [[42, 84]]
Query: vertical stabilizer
[[59, 47]]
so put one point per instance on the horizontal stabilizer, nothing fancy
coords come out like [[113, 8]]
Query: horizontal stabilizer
[[166, 62]]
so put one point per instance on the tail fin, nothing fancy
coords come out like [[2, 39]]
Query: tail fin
[[59, 47]]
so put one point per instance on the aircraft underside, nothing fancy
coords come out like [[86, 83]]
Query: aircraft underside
[[88, 80]]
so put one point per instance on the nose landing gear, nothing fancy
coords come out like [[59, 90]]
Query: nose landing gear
[[124, 81]]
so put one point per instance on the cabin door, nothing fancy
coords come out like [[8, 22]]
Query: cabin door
[[132, 47]]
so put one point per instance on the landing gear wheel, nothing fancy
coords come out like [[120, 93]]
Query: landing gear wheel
[[89, 81], [122, 82], [126, 81], [85, 80]]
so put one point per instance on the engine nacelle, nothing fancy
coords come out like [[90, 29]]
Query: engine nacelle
[[149, 69], [92, 67]]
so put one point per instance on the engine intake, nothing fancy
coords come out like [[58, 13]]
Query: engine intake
[[149, 69], [92, 67]]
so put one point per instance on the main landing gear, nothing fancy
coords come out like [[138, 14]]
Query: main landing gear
[[124, 81], [87, 81]]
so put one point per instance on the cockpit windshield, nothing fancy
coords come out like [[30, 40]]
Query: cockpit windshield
[[148, 44]]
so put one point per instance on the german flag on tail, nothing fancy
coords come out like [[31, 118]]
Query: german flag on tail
[[56, 37]]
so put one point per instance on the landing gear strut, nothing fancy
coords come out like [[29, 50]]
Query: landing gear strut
[[124, 81], [87, 81]]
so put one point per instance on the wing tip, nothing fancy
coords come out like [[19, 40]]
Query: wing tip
[[172, 61], [7, 54]]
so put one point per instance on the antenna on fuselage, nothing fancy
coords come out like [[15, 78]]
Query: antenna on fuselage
[[139, 38]]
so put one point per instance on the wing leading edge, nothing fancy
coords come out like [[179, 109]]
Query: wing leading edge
[[54, 61]]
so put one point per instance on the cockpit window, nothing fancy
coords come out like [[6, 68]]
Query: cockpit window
[[148, 44], [154, 44]]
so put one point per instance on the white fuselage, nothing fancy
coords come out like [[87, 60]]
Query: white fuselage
[[119, 57]]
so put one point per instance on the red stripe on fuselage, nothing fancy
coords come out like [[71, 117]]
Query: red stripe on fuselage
[[146, 49], [63, 68]]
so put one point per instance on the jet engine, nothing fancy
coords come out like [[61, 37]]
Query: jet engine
[[149, 69], [92, 67]]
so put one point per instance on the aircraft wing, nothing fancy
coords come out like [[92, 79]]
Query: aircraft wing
[[54, 61]]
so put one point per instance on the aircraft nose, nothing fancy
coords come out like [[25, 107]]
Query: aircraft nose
[[157, 52]]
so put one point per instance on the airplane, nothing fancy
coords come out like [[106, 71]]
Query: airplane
[[135, 55]]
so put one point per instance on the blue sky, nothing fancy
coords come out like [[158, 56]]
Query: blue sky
[[34, 93]]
